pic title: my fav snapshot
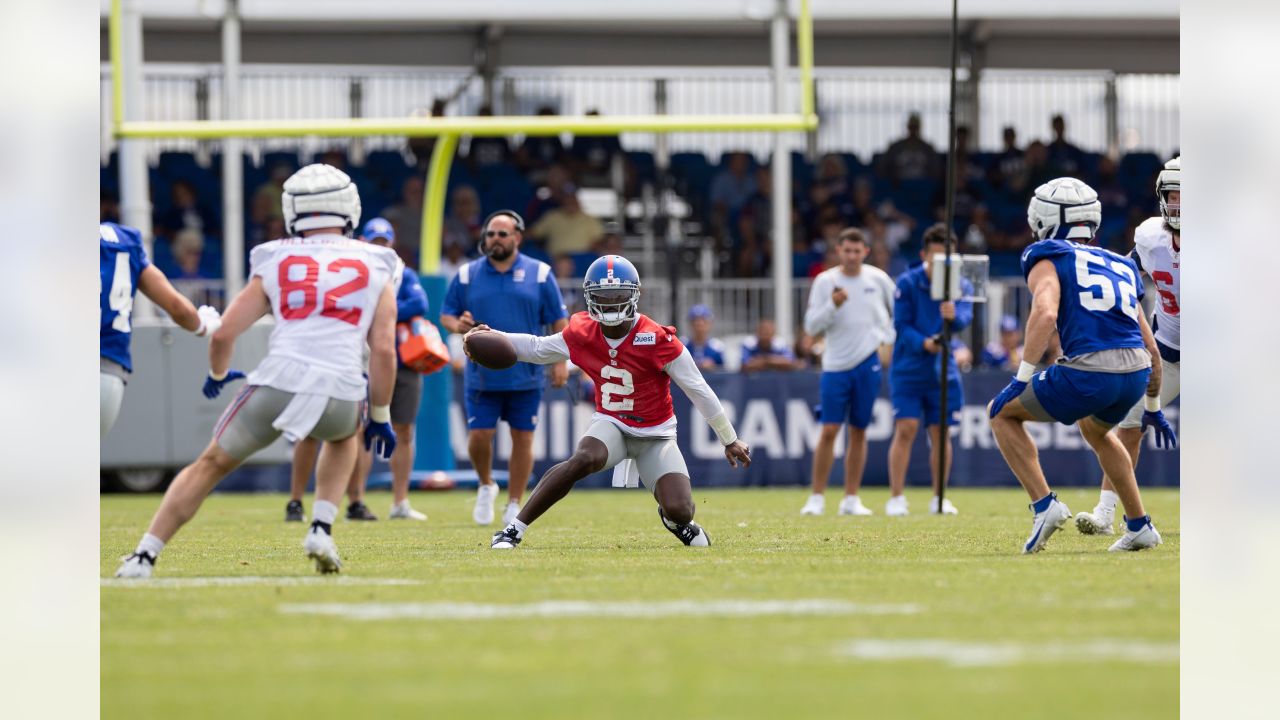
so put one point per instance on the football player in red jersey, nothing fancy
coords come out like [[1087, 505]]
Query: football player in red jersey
[[632, 361]]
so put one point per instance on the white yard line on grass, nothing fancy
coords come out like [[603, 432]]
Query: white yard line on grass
[[250, 580], [587, 608], [978, 654]]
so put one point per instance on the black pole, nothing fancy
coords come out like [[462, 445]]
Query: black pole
[[944, 429]]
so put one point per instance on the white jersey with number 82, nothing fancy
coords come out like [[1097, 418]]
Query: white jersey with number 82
[[323, 291]]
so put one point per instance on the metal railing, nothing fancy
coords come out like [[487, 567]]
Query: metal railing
[[862, 109]]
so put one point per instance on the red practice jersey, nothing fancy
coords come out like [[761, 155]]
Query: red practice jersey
[[636, 364]]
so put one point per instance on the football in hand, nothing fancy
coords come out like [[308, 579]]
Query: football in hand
[[491, 349]]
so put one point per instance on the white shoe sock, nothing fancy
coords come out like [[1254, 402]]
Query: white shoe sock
[[1107, 501], [324, 511], [151, 545], [520, 527]]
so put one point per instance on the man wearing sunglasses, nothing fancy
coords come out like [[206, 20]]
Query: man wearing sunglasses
[[514, 293]]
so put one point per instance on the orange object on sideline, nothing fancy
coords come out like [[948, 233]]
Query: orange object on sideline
[[421, 348]]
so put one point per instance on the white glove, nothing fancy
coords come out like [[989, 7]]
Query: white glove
[[210, 320]]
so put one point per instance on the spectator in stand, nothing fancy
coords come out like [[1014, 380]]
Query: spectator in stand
[[273, 229], [188, 247], [1039, 171], [1009, 171], [1115, 206], [484, 152], [406, 217], [755, 228], [707, 352], [911, 158], [729, 191], [570, 284], [185, 211], [568, 230], [879, 256], [610, 244], [981, 234], [539, 152], [803, 255], [972, 169], [453, 255], [422, 147], [550, 195], [462, 225], [266, 199], [833, 175], [830, 258], [593, 156], [1065, 159], [860, 204], [967, 197], [1005, 353], [765, 351]]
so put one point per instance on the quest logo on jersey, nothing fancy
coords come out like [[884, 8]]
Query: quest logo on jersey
[[645, 339]]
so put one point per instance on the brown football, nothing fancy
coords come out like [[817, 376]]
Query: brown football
[[491, 349]]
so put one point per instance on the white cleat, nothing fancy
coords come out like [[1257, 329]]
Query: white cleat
[[1147, 537], [485, 497], [897, 506], [402, 511], [1095, 523], [136, 565], [947, 507], [510, 512], [320, 547], [852, 505], [1045, 524], [815, 505]]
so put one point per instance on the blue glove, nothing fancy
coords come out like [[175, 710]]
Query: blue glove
[[380, 438], [1165, 436], [1010, 391], [213, 387]]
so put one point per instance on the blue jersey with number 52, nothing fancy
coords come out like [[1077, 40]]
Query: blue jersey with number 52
[[1098, 309], [123, 260]]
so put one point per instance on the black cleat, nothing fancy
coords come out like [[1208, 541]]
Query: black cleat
[[293, 512], [359, 511], [505, 539], [691, 534]]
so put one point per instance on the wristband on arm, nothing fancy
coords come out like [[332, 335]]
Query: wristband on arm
[[724, 429], [218, 377], [1151, 403], [1025, 371], [380, 413]]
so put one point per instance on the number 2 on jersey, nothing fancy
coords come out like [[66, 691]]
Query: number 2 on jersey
[[1126, 284], [623, 389], [307, 286]]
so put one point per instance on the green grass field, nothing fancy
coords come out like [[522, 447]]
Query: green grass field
[[928, 617]]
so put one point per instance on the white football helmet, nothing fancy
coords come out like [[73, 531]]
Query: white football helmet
[[1170, 178], [320, 196], [1064, 209]]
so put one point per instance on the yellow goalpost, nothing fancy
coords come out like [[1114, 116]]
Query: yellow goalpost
[[449, 129]]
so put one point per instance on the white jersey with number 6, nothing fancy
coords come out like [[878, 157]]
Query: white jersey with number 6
[[1157, 256], [323, 291]]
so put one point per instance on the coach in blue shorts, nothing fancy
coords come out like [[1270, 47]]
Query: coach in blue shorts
[[852, 306], [913, 377], [514, 293]]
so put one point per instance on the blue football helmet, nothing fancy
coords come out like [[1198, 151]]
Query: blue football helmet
[[611, 289]]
